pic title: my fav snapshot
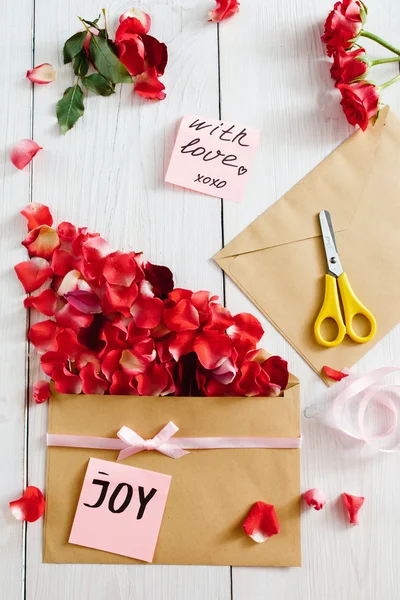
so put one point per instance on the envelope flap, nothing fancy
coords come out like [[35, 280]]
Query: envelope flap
[[336, 185]]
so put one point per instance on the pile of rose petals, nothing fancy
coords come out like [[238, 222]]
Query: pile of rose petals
[[115, 323]]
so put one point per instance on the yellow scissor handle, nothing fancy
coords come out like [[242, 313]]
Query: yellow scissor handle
[[330, 310], [352, 307]]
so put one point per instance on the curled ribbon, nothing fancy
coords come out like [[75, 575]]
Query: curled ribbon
[[371, 391]]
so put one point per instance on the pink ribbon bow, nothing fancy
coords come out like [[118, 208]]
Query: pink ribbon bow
[[159, 442]]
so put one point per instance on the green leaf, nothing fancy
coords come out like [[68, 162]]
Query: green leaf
[[81, 64], [70, 108], [98, 84], [92, 23], [73, 46], [106, 62]]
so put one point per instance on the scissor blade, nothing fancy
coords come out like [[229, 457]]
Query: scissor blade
[[332, 257]]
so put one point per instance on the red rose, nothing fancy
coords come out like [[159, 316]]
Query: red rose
[[347, 66], [360, 102], [343, 24]]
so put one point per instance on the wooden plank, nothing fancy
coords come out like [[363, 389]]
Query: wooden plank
[[108, 174], [276, 78], [16, 53]]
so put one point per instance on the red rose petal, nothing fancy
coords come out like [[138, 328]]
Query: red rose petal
[[45, 302], [201, 302], [41, 391], [160, 278], [66, 382], [277, 369], [131, 53], [69, 283], [22, 153], [52, 360], [353, 505], [67, 341], [153, 382], [182, 344], [113, 337], [92, 383], [132, 21], [111, 363], [220, 319], [82, 236], [163, 352], [66, 231], [262, 522], [121, 384], [223, 10], [62, 262], [156, 53], [180, 294], [43, 335], [147, 312], [85, 302], [136, 334], [246, 382], [247, 328], [182, 317], [315, 498], [30, 507], [88, 356], [42, 241], [121, 298], [37, 214], [33, 273], [73, 318], [95, 249], [212, 348], [119, 269], [148, 86], [43, 73], [333, 374], [137, 361]]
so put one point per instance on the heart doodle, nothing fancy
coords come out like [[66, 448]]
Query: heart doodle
[[242, 171]]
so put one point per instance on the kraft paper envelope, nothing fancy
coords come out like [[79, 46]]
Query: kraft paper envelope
[[211, 491], [279, 261]]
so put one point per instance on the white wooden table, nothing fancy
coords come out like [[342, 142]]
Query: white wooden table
[[265, 68]]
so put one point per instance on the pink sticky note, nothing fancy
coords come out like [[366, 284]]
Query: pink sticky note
[[120, 509], [212, 157]]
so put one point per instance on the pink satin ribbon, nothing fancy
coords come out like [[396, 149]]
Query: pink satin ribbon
[[371, 391], [129, 442]]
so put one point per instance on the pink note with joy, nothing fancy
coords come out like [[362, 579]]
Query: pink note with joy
[[120, 509], [213, 157]]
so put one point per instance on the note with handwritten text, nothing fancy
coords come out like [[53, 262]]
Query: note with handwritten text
[[120, 509], [212, 157]]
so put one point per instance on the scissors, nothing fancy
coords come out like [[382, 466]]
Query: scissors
[[331, 307]]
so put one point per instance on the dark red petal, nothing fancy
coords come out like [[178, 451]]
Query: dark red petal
[[153, 382], [85, 302], [147, 312], [51, 360], [262, 522], [148, 86], [182, 317], [92, 383], [67, 341], [30, 507], [212, 348], [66, 382], [43, 335], [66, 231], [119, 269], [33, 273], [45, 302], [62, 262], [160, 278], [41, 391], [42, 241], [353, 505], [333, 374], [37, 214], [73, 318], [277, 369], [156, 53]]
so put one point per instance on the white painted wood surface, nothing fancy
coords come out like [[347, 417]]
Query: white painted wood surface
[[268, 70]]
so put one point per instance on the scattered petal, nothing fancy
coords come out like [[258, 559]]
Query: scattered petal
[[37, 214], [333, 374], [86, 302], [66, 231], [45, 302], [43, 73], [182, 344], [22, 153], [137, 361], [87, 356], [353, 505], [223, 10], [30, 507], [43, 335], [148, 85], [92, 383], [122, 384], [315, 498], [42, 241], [111, 363], [70, 283], [156, 53], [33, 273], [131, 53], [161, 279], [133, 21], [121, 298], [153, 382], [41, 391], [262, 522], [220, 319]]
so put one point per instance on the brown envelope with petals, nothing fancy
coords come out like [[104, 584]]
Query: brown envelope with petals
[[279, 261], [211, 491]]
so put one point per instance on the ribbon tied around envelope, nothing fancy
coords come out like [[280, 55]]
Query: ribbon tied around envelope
[[129, 442]]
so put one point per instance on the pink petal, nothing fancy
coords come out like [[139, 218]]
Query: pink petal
[[70, 283], [148, 85], [315, 498], [43, 73], [30, 507], [353, 505], [147, 312], [66, 231], [42, 241], [86, 302], [37, 214], [41, 391], [225, 373], [43, 335], [33, 273], [262, 522], [45, 302], [92, 383], [73, 318], [22, 153]]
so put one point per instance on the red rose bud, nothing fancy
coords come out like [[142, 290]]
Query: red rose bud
[[360, 102], [348, 66], [353, 505], [343, 24], [261, 523]]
